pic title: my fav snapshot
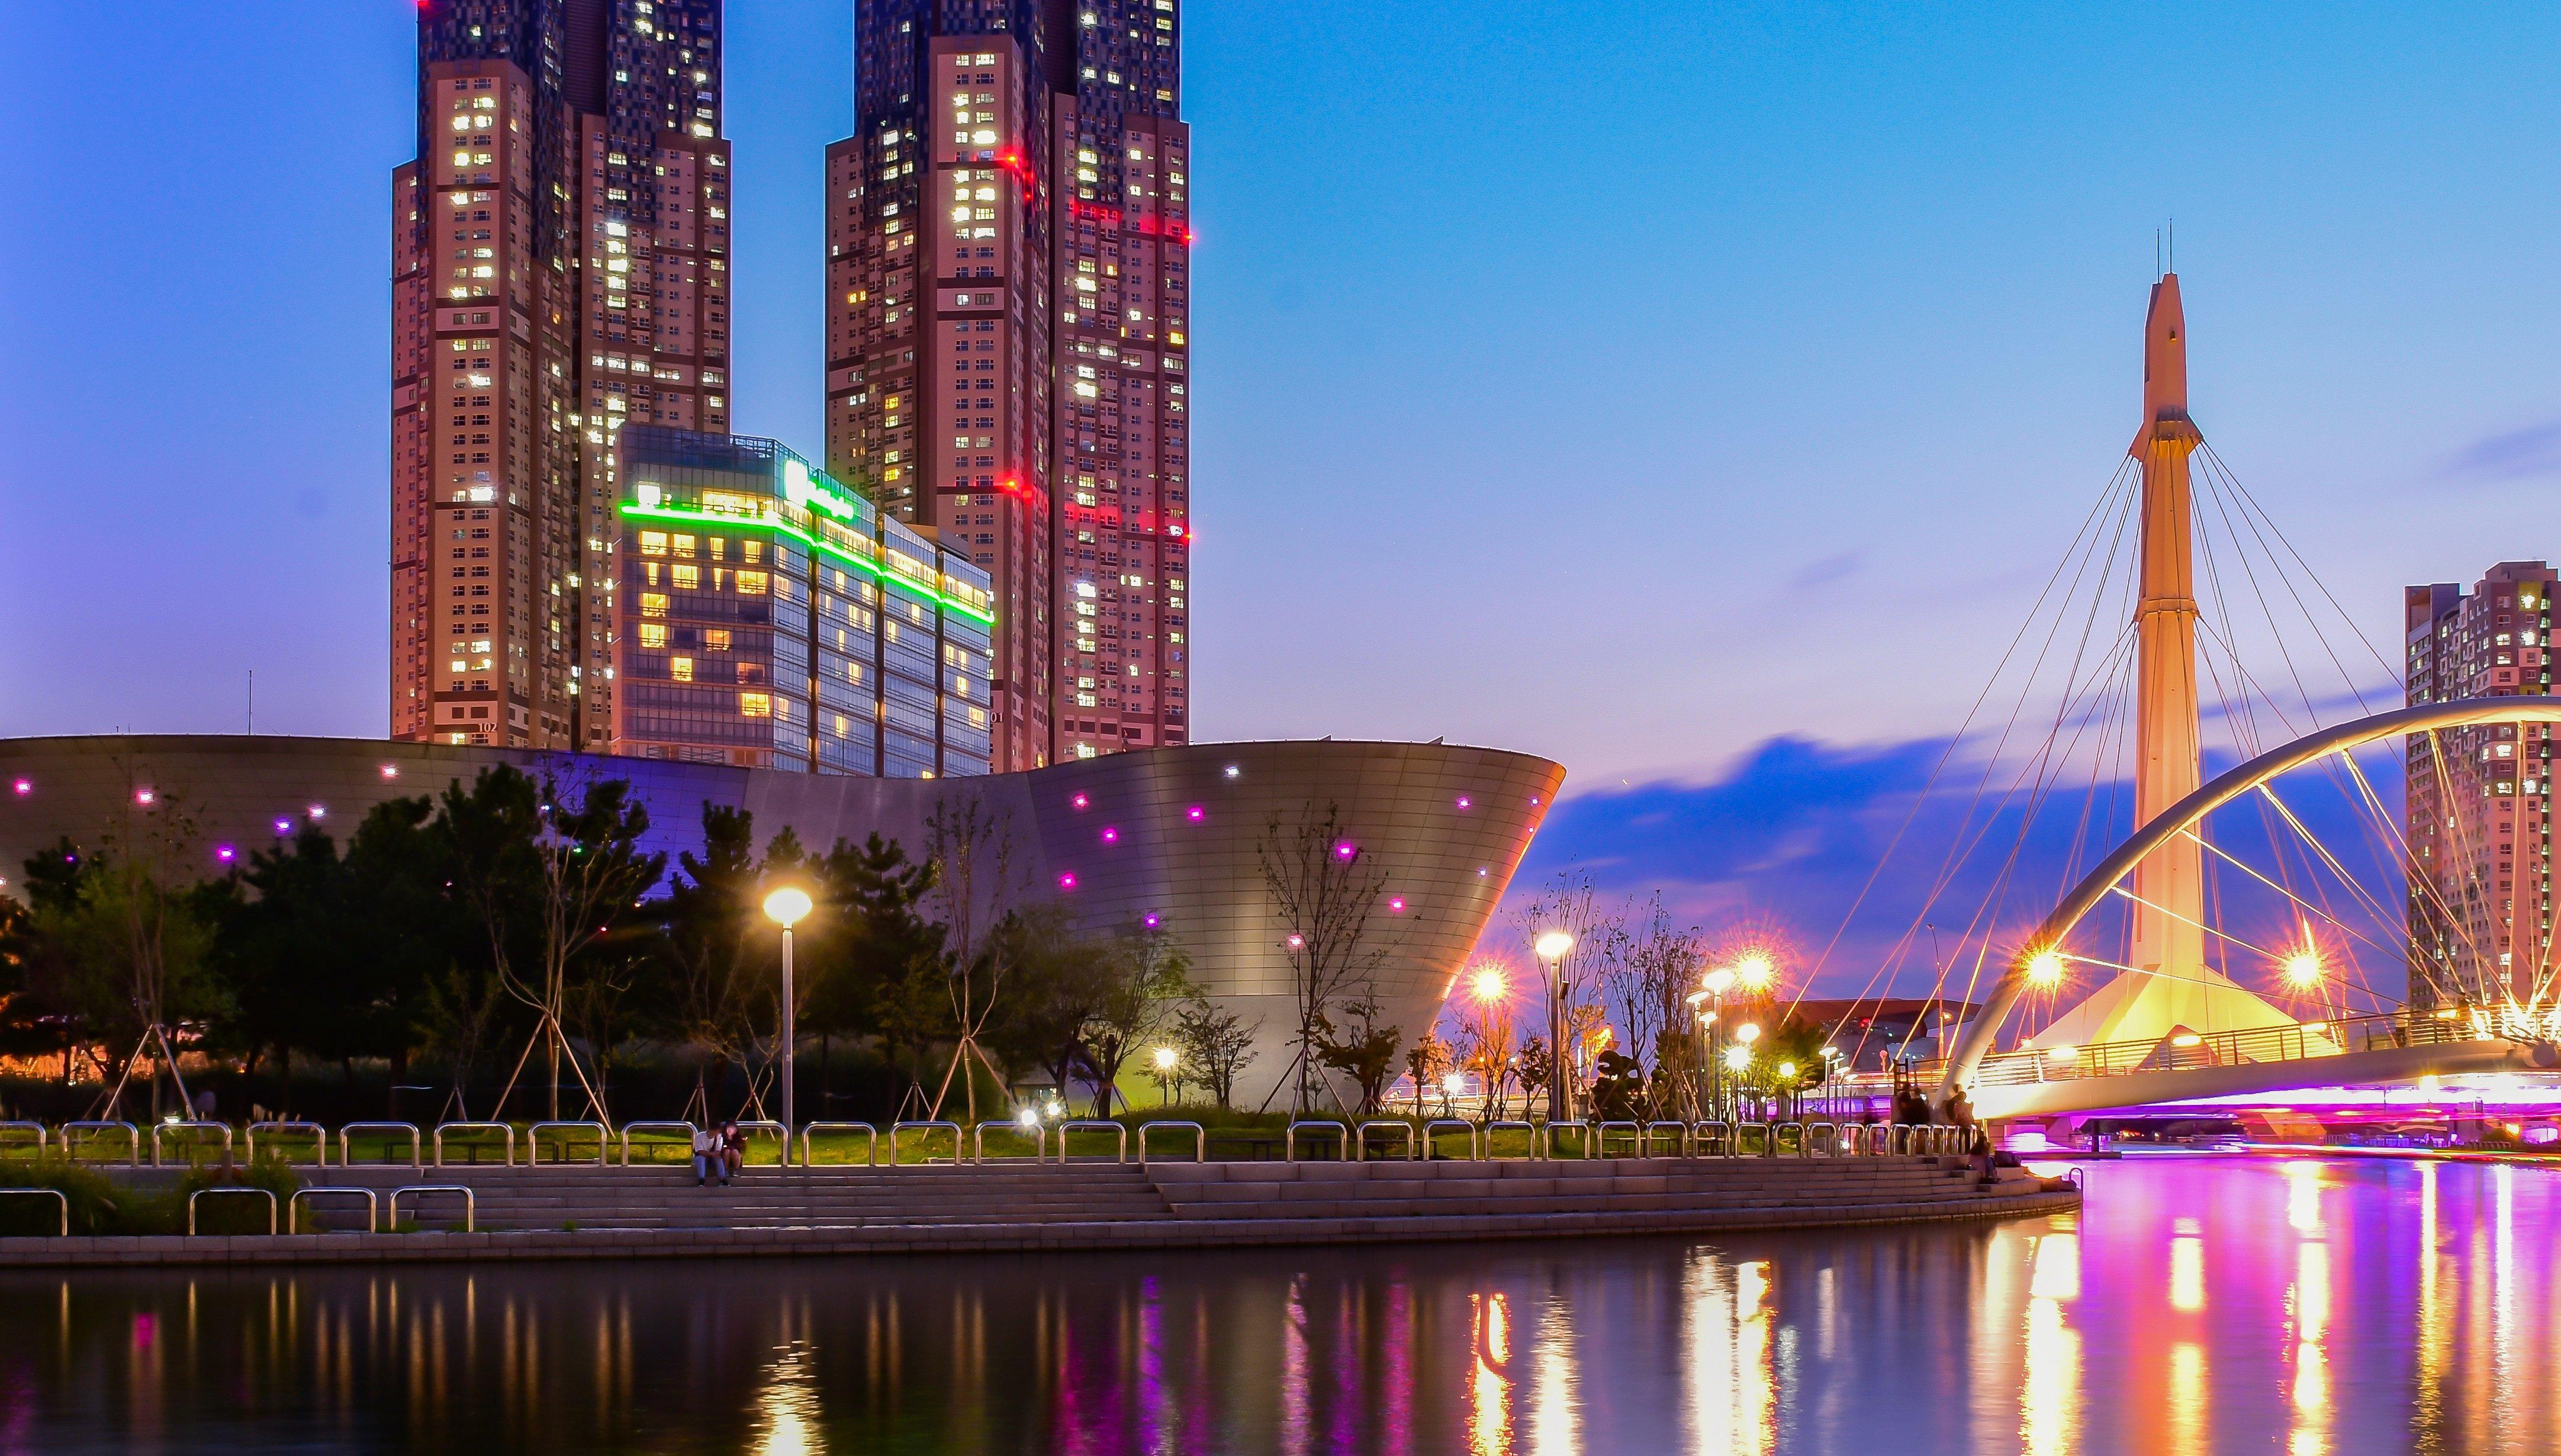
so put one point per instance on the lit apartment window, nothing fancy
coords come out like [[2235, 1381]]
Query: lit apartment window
[[755, 705]]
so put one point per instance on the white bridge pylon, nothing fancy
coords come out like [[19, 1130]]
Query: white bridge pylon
[[2139, 1005]]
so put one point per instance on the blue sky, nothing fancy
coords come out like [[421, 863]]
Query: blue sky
[[1640, 385]]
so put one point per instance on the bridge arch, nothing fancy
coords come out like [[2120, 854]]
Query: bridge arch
[[1972, 1047]]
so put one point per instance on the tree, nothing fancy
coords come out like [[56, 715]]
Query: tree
[[1363, 1051], [878, 961], [404, 920], [546, 878], [1567, 904], [1146, 980], [975, 885], [136, 935], [1323, 890], [704, 927], [1652, 970], [1060, 984], [41, 1010], [1533, 1067], [1428, 1062], [1216, 1045]]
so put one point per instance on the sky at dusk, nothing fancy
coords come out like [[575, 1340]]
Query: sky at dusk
[[1696, 394]]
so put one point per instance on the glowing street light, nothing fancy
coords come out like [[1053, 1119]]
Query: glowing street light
[[2045, 968], [1488, 984], [1747, 1033], [2304, 970], [1737, 1057], [1555, 945], [1719, 981], [1754, 972], [786, 906], [1787, 1068], [1166, 1059]]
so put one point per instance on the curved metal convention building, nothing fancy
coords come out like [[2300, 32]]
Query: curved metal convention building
[[1170, 833]]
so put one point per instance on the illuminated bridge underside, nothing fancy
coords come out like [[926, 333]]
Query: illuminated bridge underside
[[2001, 1102], [2031, 1082]]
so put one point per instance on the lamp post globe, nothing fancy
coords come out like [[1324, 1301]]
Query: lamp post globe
[[787, 907], [1552, 947]]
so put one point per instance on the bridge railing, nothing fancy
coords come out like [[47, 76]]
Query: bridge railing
[[2190, 1050]]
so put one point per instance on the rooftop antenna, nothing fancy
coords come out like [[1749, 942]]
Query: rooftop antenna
[[2157, 254], [2173, 244], [252, 703]]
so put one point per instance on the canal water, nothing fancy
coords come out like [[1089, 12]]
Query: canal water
[[2199, 1303]]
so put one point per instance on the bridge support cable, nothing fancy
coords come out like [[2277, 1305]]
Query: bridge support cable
[[2236, 863], [2118, 493], [2240, 779]]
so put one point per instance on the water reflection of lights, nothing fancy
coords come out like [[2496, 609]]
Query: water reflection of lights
[[787, 1407], [1730, 1397], [2050, 1394], [2187, 1397], [2303, 1194], [1556, 1426], [2187, 1268], [1489, 1406]]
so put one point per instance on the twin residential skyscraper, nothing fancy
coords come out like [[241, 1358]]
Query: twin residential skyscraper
[[1007, 384]]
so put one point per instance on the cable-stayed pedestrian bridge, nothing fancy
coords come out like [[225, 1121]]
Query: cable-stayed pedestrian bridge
[[2153, 1034]]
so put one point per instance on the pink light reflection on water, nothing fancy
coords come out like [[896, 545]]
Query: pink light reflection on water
[[2198, 1303]]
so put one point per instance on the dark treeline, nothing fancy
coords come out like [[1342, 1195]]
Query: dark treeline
[[513, 936]]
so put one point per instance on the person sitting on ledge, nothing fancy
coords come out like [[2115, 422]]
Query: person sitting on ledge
[[707, 1147]]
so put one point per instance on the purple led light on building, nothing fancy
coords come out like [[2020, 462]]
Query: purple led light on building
[[1067, 880], [1195, 814], [1111, 834], [1346, 850]]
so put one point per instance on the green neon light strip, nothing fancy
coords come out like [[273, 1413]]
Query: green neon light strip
[[875, 569]]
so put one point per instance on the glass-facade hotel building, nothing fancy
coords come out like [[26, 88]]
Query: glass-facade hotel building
[[768, 617]]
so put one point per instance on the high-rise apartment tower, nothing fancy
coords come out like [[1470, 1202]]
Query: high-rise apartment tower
[[2480, 799], [560, 268], [1009, 342]]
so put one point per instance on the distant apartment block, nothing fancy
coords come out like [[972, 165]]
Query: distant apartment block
[[560, 269], [2480, 799], [769, 617], [1008, 340]]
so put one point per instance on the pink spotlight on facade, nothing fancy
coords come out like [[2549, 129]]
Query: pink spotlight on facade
[[1067, 880], [24, 787], [1195, 814], [1466, 803], [1111, 834], [144, 796], [1079, 803], [1396, 903], [1346, 850]]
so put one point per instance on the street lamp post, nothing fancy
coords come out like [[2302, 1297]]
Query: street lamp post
[[1716, 984], [1553, 948], [786, 907]]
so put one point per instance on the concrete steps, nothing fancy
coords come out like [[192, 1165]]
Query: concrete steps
[[551, 1197], [1023, 1195], [1249, 1191]]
